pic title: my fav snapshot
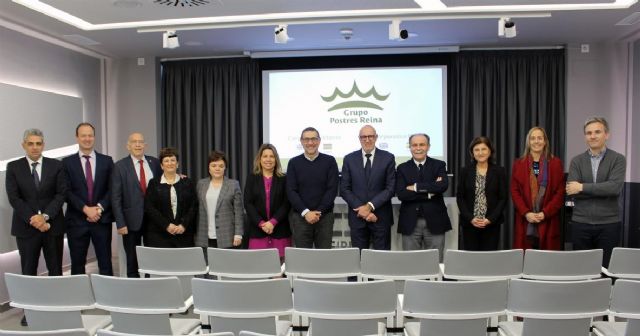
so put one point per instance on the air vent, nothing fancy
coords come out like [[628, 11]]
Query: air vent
[[630, 20], [182, 3]]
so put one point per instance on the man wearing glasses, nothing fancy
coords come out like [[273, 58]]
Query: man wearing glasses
[[312, 186], [368, 182], [129, 182]]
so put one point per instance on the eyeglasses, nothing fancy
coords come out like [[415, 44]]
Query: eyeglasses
[[367, 137], [310, 139], [137, 142]]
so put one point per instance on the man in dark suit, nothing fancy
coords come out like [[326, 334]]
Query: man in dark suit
[[36, 187], [88, 216], [368, 182], [129, 182], [420, 183]]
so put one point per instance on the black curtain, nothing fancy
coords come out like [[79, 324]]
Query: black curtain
[[212, 104], [502, 94]]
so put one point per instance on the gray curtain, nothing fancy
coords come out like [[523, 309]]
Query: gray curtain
[[212, 104], [502, 94]]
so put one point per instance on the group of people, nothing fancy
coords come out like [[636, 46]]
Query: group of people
[[149, 199]]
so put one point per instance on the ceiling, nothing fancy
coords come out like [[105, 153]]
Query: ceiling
[[238, 26]]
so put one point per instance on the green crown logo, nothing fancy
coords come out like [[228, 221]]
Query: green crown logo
[[355, 103]]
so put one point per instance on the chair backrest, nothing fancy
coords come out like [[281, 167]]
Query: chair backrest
[[250, 333], [244, 264], [624, 263], [562, 265], [322, 263], [483, 265], [242, 305], [51, 303], [455, 300], [625, 299], [171, 261], [344, 308], [399, 265], [59, 332], [139, 305], [104, 332], [559, 299]]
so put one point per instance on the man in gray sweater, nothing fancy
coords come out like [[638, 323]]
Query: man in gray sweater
[[595, 180]]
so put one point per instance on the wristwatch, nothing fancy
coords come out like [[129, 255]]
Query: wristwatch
[[46, 217]]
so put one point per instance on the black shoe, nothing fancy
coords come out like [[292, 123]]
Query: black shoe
[[23, 322]]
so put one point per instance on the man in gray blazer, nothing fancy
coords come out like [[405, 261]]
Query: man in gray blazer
[[129, 182], [595, 180]]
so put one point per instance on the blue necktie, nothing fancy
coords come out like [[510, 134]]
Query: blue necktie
[[34, 173], [367, 167]]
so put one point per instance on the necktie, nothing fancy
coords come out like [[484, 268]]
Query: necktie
[[89, 177], [143, 178], [367, 166], [420, 178], [34, 173]]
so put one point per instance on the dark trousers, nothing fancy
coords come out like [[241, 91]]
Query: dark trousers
[[596, 236], [377, 233], [166, 240], [316, 235], [130, 241], [29, 248], [475, 239], [78, 238]]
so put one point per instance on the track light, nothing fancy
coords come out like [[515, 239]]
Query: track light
[[506, 28], [170, 39], [280, 34], [395, 33]]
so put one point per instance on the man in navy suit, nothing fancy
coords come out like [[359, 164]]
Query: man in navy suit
[[420, 183], [129, 182], [88, 216], [368, 182], [36, 188]]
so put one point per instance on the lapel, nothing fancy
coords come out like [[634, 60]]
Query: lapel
[[489, 177], [132, 172], [223, 190], [27, 169]]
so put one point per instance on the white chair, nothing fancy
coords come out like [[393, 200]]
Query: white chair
[[453, 308], [52, 303], [244, 305], [483, 265], [344, 308], [250, 333], [562, 265], [624, 263], [103, 332], [322, 264], [183, 263], [625, 303], [555, 307], [59, 332], [143, 305], [244, 264], [399, 266]]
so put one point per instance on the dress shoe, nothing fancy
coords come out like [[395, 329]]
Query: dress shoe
[[23, 322]]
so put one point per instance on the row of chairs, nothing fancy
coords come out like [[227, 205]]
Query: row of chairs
[[397, 265], [443, 308]]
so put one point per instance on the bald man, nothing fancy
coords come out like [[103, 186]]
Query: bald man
[[368, 182], [129, 182]]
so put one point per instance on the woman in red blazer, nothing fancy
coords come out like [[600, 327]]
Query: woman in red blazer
[[537, 190]]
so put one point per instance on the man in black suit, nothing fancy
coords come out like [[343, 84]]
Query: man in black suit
[[367, 185], [88, 214], [420, 183], [36, 187], [129, 182]]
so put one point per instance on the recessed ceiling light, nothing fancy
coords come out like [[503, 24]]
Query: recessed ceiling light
[[127, 3]]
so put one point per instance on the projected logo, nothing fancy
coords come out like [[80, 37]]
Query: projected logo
[[358, 109]]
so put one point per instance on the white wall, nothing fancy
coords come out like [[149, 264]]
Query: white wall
[[33, 63]]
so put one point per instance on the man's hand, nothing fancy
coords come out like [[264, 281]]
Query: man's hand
[[172, 228], [37, 221], [237, 241], [312, 216], [93, 213], [371, 218], [179, 229], [123, 231], [439, 179], [573, 188], [363, 210], [411, 187]]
